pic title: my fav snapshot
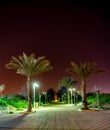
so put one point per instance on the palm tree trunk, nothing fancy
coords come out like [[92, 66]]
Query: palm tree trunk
[[84, 100], [29, 108]]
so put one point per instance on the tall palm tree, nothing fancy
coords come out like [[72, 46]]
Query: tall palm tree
[[67, 82], [29, 66], [83, 72]]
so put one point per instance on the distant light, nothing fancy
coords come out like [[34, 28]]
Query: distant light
[[70, 89], [74, 89], [35, 84]]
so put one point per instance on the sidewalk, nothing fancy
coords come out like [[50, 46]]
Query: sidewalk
[[56, 118]]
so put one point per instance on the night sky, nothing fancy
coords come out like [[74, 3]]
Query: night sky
[[63, 32]]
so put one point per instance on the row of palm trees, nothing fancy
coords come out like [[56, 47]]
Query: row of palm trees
[[30, 66]]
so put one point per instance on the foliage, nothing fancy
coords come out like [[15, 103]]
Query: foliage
[[14, 97], [29, 66], [91, 97], [18, 104], [104, 98], [59, 94], [50, 95], [67, 82], [13, 100], [83, 72], [3, 103], [64, 84]]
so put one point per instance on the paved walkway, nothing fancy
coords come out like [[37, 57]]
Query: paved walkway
[[56, 118]]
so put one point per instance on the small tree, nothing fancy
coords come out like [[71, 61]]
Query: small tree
[[50, 95]]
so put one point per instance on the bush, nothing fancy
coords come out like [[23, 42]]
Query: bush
[[14, 97], [104, 98], [3, 103], [18, 104]]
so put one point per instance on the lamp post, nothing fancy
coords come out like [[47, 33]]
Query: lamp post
[[71, 94], [97, 89], [45, 96], [74, 96], [34, 86], [72, 89]]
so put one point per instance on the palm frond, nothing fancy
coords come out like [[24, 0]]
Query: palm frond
[[75, 66], [83, 71], [29, 65], [67, 82], [98, 71], [72, 72]]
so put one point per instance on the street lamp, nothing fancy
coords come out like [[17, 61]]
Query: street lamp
[[72, 89], [97, 92], [74, 96], [45, 96], [35, 85], [71, 94]]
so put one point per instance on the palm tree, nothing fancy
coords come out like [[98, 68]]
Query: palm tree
[[29, 66], [67, 82], [83, 72]]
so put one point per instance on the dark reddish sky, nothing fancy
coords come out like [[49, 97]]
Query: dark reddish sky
[[63, 32]]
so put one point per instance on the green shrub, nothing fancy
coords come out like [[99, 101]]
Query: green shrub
[[3, 103], [14, 97], [104, 98], [18, 104]]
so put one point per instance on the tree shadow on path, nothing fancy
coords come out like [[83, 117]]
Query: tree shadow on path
[[13, 122]]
